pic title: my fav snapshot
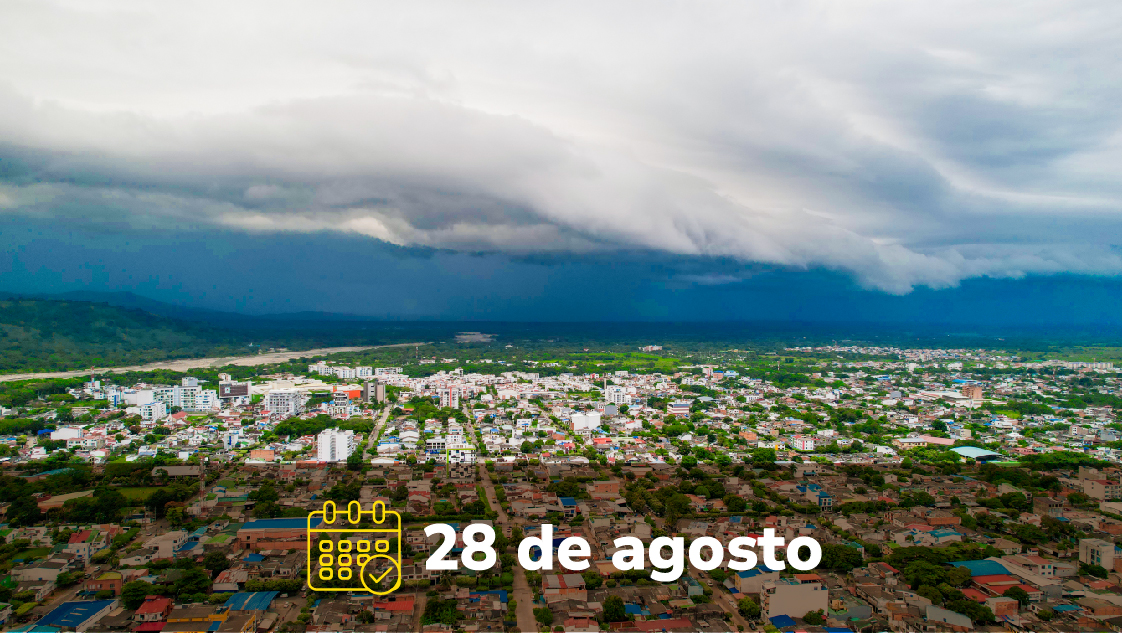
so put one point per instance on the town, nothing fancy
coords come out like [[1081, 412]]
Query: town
[[950, 489]]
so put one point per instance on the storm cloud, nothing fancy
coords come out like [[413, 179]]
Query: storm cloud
[[905, 145]]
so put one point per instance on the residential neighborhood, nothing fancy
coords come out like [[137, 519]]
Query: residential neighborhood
[[949, 489]]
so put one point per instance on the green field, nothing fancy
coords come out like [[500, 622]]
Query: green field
[[138, 493], [38, 552]]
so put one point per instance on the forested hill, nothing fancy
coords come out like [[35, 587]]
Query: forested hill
[[44, 335]]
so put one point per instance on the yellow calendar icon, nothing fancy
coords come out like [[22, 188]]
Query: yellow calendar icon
[[359, 550]]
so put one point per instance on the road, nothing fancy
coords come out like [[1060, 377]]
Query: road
[[378, 430], [522, 591], [185, 364], [724, 600], [419, 609]]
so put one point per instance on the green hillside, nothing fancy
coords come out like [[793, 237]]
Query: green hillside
[[42, 335]]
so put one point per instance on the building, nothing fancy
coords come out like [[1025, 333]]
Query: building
[[233, 392], [153, 411], [1102, 489], [681, 408], [285, 402], [333, 445], [450, 398], [801, 443], [617, 395], [795, 596], [1048, 506], [1094, 551], [973, 392], [76, 616], [280, 534], [373, 392], [585, 420]]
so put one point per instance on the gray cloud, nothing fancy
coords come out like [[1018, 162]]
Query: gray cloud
[[906, 145]]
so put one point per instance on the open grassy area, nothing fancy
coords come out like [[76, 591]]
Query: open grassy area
[[138, 493], [30, 554]]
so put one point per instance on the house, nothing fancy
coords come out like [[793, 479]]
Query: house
[[140, 557], [109, 581], [154, 609]]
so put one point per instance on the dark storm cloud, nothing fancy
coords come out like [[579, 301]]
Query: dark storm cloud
[[904, 145]]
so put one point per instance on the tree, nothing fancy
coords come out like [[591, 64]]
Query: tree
[[614, 611], [748, 608], [1018, 594], [920, 572], [133, 593], [735, 504], [24, 511], [1098, 571], [191, 582], [544, 615], [840, 557], [216, 562], [176, 516], [931, 593], [958, 576], [355, 461], [814, 617]]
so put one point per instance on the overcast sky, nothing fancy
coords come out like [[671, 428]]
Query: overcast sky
[[516, 155]]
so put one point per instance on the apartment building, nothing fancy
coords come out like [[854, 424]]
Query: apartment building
[[333, 445]]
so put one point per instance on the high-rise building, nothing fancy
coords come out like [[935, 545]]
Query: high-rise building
[[373, 392], [450, 398], [285, 401], [333, 445], [616, 394], [585, 420]]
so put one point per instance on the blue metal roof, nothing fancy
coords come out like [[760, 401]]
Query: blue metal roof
[[782, 621], [974, 452], [567, 501], [501, 593], [280, 524], [256, 601], [982, 567], [253, 558], [73, 614]]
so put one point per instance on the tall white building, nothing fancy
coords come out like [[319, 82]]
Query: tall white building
[[585, 420], [450, 398], [153, 411], [186, 397], [616, 394], [333, 445], [285, 401]]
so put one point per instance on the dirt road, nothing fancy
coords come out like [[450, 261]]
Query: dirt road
[[185, 364], [524, 611]]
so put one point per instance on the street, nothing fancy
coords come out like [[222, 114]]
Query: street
[[522, 591]]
